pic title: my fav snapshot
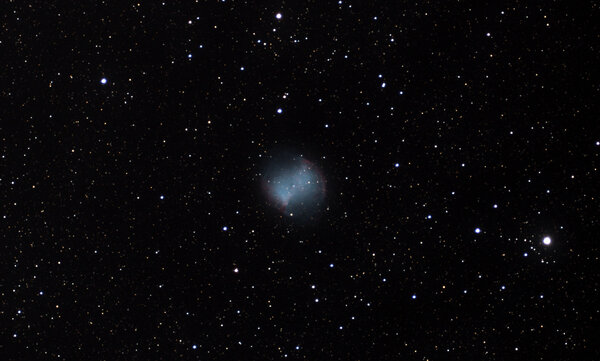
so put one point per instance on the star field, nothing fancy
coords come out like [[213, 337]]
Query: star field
[[336, 180]]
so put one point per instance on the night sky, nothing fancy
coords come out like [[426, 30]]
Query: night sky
[[316, 180]]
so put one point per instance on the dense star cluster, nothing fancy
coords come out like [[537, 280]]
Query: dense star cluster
[[318, 180]]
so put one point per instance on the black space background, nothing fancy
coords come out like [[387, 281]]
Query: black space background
[[95, 265]]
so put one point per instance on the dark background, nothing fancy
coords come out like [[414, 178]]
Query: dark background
[[95, 265]]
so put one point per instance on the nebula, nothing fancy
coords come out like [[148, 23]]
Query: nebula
[[295, 186]]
